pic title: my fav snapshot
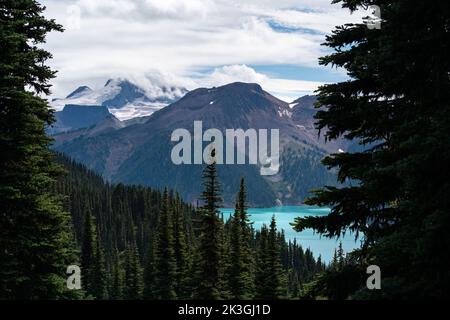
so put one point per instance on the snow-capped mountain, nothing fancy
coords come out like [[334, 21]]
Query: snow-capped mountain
[[123, 98]]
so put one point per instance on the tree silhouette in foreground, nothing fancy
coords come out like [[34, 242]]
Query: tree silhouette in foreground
[[210, 261], [36, 245], [397, 105]]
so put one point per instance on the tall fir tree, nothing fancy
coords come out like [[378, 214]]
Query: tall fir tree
[[262, 269], [240, 273], [271, 282], [88, 254], [99, 276], [149, 276], [276, 281], [165, 263], [133, 273], [396, 103], [93, 263], [35, 236], [117, 278], [340, 256], [181, 251], [334, 261], [210, 280]]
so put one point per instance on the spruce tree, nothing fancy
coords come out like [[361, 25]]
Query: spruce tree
[[117, 278], [334, 262], [262, 260], [150, 291], [241, 278], [210, 281], [276, 281], [99, 276], [340, 257], [294, 284], [93, 263], [133, 273], [88, 254], [165, 263], [181, 251], [270, 281], [396, 103], [35, 236]]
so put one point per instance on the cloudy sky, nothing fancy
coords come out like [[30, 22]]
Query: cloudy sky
[[194, 43]]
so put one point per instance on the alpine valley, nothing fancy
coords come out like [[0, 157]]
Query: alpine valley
[[137, 150]]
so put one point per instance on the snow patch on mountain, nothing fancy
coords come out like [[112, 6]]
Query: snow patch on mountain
[[136, 110], [124, 99], [89, 97]]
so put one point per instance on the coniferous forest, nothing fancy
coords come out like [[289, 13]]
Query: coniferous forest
[[138, 243]]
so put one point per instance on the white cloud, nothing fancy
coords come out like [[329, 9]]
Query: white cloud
[[233, 73], [117, 38], [153, 82], [146, 9], [284, 89]]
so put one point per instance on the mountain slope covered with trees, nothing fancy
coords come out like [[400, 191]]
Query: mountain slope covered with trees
[[140, 243]]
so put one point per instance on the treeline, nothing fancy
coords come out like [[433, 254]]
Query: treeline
[[138, 243]]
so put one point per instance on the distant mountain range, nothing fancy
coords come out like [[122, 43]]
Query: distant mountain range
[[138, 151], [123, 98]]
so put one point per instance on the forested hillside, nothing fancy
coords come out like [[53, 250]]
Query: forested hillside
[[141, 153], [140, 243]]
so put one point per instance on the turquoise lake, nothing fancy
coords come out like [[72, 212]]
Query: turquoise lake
[[308, 239]]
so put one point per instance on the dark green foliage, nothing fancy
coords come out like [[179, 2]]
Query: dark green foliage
[[262, 268], [334, 284], [271, 281], [35, 238], [88, 254], [133, 274], [165, 263], [341, 278], [93, 264], [117, 278], [99, 276], [210, 261], [181, 251], [276, 282], [241, 269], [397, 101], [301, 266], [129, 214], [124, 214], [150, 273]]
